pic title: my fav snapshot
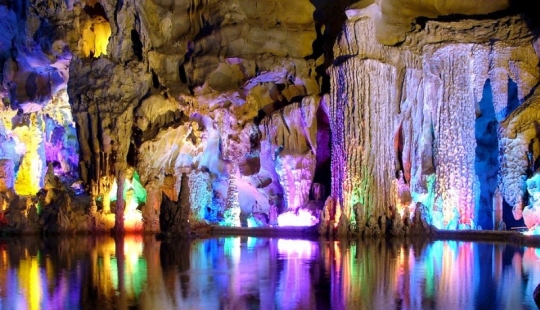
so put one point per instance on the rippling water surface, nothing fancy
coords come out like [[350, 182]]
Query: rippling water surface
[[138, 272]]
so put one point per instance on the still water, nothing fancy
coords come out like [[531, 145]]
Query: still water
[[139, 272]]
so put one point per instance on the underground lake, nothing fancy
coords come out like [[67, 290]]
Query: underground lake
[[244, 272]]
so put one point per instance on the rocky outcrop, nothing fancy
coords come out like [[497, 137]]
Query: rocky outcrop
[[396, 18], [174, 215], [519, 167], [289, 149]]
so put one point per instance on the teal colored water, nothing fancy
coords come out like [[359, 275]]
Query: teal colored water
[[138, 272]]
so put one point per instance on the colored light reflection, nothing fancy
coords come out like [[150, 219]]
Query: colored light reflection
[[130, 276], [30, 281], [297, 249], [533, 231], [265, 273], [34, 277], [296, 288], [30, 284]]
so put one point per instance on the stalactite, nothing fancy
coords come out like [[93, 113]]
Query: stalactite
[[411, 110], [290, 134], [363, 121]]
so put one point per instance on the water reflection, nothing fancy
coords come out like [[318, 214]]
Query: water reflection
[[260, 273]]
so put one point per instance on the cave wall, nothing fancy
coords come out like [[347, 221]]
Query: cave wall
[[161, 89], [422, 110], [404, 118]]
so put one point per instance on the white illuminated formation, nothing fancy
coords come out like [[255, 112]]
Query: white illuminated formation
[[301, 217]]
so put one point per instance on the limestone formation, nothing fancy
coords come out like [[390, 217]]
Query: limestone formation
[[415, 109], [289, 137], [404, 116]]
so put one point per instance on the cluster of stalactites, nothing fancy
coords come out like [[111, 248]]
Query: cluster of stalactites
[[404, 126]]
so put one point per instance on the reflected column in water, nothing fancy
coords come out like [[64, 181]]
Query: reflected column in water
[[175, 261], [121, 270], [155, 295], [33, 274], [266, 258], [456, 278], [295, 288]]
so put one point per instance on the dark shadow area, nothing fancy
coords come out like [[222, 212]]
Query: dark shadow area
[[508, 217], [399, 142], [484, 266], [329, 19], [323, 173], [486, 163], [206, 30], [137, 44], [529, 12], [46, 34], [155, 80], [182, 74], [170, 119], [95, 11], [132, 152], [513, 100], [175, 254]]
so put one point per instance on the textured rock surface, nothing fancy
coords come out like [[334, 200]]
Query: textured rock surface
[[521, 145], [536, 295], [233, 96], [165, 88], [289, 140], [394, 18], [414, 110]]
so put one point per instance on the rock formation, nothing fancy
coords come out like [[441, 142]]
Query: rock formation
[[399, 114], [430, 110]]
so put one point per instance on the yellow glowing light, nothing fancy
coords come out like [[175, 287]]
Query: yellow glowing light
[[30, 282], [134, 194], [107, 263], [133, 248], [132, 216], [6, 117], [29, 139], [95, 37]]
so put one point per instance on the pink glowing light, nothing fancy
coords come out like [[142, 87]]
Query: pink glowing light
[[300, 218], [297, 249]]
